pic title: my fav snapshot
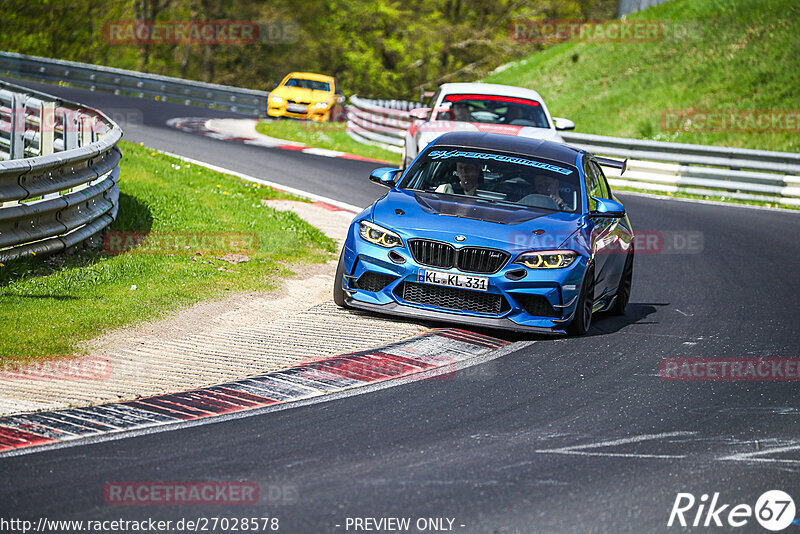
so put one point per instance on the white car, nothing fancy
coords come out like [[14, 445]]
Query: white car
[[482, 107]]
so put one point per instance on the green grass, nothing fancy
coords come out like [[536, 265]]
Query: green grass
[[735, 55], [330, 135], [51, 306]]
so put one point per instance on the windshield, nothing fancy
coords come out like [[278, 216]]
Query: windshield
[[493, 109], [308, 84], [494, 177]]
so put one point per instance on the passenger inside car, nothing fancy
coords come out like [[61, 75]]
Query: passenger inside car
[[549, 186]]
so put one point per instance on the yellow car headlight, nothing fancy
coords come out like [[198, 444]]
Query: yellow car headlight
[[321, 105], [377, 235], [276, 99], [547, 259]]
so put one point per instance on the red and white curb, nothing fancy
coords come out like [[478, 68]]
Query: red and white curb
[[432, 354], [248, 136]]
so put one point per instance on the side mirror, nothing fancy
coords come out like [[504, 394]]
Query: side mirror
[[385, 176], [563, 124], [420, 113], [608, 208]]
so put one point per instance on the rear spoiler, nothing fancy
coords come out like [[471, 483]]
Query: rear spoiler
[[614, 163]]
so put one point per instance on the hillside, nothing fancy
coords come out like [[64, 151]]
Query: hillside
[[732, 56]]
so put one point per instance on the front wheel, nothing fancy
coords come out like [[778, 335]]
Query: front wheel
[[338, 290], [583, 313]]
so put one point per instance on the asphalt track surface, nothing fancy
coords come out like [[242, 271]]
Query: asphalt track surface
[[562, 435]]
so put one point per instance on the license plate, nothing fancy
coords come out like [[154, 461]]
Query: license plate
[[296, 108], [464, 281]]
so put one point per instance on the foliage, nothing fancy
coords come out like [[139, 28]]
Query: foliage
[[387, 49]]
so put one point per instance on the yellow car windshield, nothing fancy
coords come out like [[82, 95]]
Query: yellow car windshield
[[314, 85]]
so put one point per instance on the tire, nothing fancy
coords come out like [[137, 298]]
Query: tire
[[624, 289], [338, 292], [582, 320]]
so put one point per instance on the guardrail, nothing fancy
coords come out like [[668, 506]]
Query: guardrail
[[58, 183], [655, 166], [120, 81]]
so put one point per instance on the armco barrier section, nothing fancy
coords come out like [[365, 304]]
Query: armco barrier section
[[58, 180], [655, 166], [97, 77]]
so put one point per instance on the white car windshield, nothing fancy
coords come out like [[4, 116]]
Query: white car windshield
[[493, 109], [502, 178]]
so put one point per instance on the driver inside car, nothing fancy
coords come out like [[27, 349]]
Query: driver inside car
[[469, 176], [459, 111], [516, 113]]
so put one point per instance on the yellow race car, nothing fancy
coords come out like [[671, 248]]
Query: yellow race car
[[305, 95]]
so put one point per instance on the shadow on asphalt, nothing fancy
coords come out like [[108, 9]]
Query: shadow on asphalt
[[605, 323], [602, 323]]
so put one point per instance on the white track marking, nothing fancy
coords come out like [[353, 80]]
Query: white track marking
[[323, 152], [751, 456], [292, 190], [580, 450]]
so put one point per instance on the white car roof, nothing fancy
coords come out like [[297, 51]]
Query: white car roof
[[489, 89]]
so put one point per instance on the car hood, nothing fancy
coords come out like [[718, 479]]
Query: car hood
[[431, 130], [442, 217]]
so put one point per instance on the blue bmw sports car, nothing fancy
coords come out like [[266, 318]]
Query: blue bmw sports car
[[494, 231]]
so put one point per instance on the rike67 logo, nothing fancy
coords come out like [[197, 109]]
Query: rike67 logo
[[774, 511]]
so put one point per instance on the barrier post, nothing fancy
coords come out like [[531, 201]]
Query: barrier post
[[47, 127], [17, 117]]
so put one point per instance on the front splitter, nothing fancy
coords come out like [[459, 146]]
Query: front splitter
[[400, 310]]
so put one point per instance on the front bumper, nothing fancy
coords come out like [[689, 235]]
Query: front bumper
[[542, 301], [312, 113]]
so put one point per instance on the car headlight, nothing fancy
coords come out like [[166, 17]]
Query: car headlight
[[321, 105], [276, 99], [378, 235], [547, 259]]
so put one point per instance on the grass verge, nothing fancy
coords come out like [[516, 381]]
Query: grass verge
[[731, 56], [49, 307], [330, 135]]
